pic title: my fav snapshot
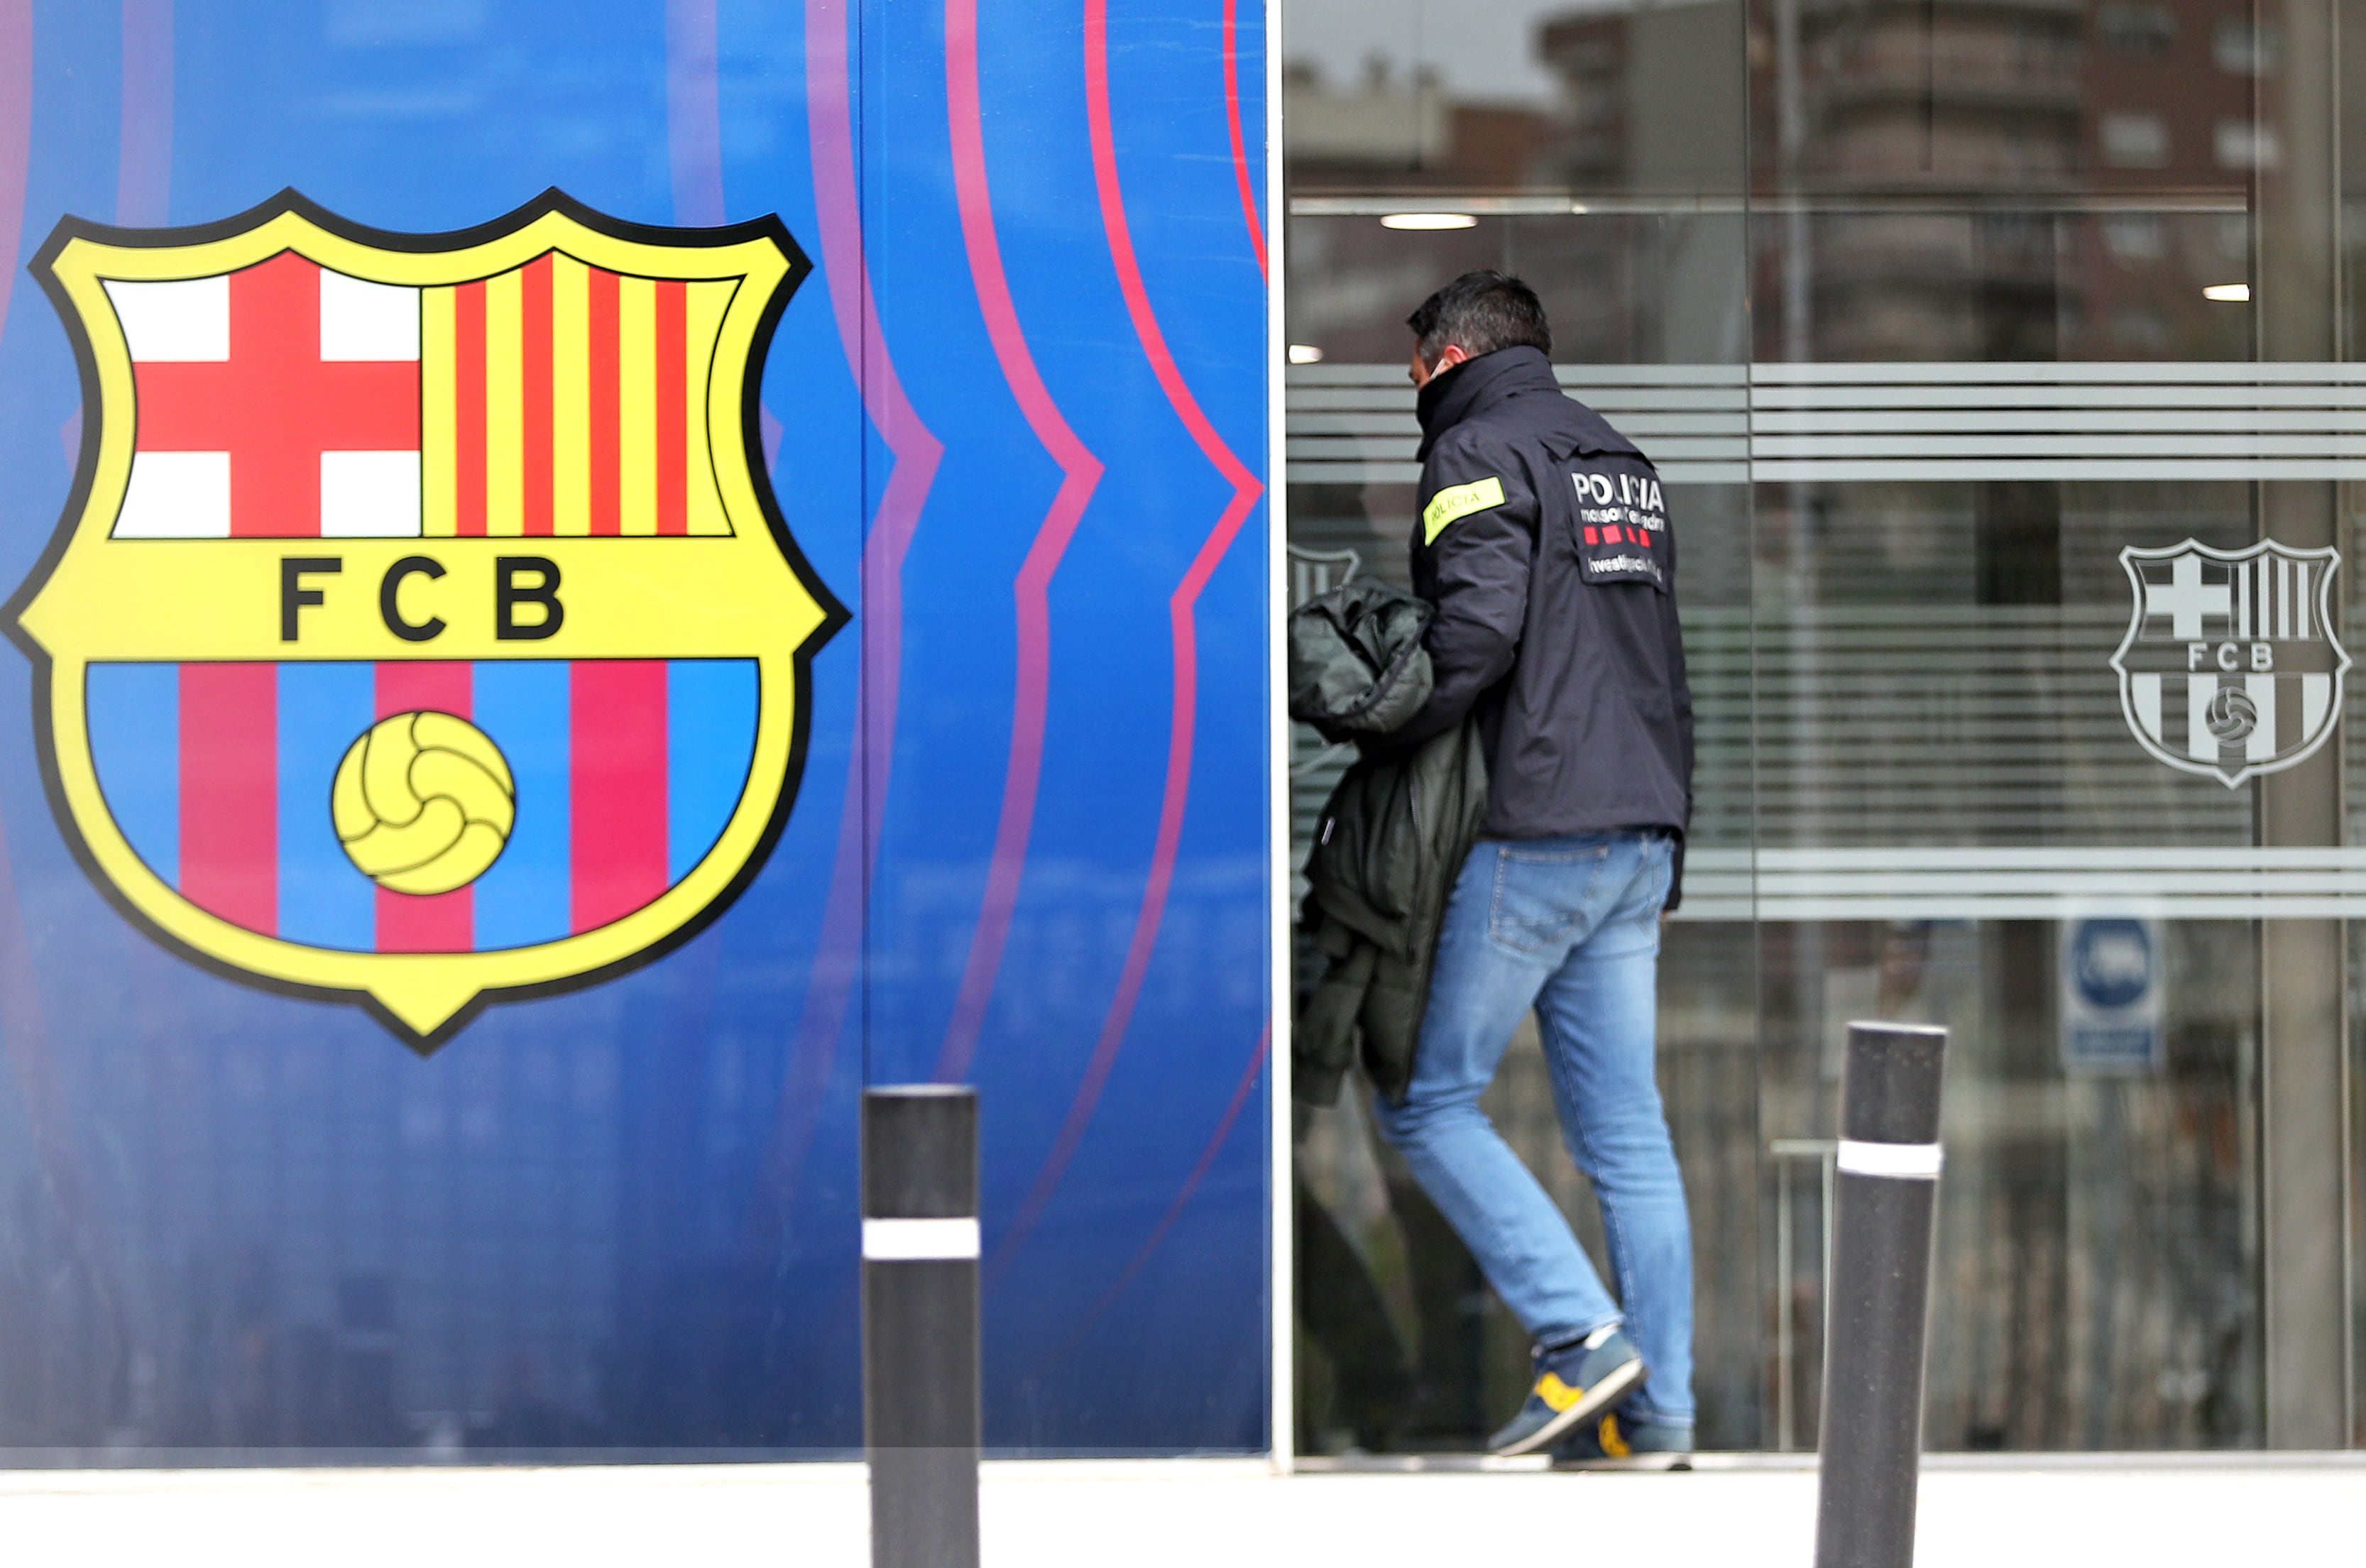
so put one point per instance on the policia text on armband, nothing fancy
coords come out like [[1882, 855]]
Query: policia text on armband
[[1459, 502]]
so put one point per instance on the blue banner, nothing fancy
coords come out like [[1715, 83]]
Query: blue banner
[[596, 578]]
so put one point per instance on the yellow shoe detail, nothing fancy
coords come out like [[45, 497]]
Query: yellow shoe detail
[[1614, 1442], [1557, 1393]]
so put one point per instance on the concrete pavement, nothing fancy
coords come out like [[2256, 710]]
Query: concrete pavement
[[1150, 1514]]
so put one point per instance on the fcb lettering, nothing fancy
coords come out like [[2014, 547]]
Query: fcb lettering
[[424, 627]]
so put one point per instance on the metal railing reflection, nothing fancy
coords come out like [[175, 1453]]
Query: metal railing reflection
[[1783, 1151]]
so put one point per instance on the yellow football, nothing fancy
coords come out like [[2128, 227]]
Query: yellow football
[[424, 802]]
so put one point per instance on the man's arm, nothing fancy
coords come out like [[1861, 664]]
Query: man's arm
[[1680, 692], [1479, 529]]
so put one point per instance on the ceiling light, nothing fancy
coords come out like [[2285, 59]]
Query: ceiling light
[[1305, 353], [2229, 293], [1428, 221]]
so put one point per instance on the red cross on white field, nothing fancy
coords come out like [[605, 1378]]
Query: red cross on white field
[[308, 428]]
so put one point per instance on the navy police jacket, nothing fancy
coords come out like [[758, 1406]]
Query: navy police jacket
[[1544, 543]]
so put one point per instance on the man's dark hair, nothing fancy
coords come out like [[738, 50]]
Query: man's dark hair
[[1479, 313]]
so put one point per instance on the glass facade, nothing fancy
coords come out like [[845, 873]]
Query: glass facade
[[1999, 356]]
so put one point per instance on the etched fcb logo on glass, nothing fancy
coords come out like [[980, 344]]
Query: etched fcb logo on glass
[[2230, 666], [422, 625]]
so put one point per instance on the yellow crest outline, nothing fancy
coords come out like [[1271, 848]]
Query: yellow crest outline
[[92, 597]]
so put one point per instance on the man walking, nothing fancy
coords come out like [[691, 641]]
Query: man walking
[[1544, 545]]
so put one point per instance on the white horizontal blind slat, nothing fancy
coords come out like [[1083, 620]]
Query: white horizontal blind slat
[[1870, 422]]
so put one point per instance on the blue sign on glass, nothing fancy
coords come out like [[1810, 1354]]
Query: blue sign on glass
[[2110, 996]]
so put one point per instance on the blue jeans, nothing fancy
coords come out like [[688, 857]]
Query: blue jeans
[[1570, 927]]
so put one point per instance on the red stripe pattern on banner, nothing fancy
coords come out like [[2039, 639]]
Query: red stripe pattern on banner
[[442, 922], [618, 788], [673, 407], [229, 792], [576, 403]]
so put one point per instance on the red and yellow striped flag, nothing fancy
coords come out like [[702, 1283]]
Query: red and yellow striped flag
[[561, 399]]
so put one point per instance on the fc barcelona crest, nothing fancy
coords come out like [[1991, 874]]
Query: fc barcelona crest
[[2230, 666], [423, 626]]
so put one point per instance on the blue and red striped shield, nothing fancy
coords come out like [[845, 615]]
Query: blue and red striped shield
[[424, 627]]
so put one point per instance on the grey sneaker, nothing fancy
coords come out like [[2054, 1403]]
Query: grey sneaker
[[1573, 1381]]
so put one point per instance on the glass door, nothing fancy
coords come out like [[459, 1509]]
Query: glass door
[[1997, 354], [1425, 140]]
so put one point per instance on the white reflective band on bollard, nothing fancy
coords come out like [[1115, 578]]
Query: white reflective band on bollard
[[919, 1241], [1913, 1162]]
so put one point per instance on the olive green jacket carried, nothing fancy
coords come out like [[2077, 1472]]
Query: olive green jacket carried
[[1391, 838]]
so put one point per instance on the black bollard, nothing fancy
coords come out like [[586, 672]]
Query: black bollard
[[920, 1323], [1876, 1322]]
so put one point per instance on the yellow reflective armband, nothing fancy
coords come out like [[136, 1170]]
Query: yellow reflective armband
[[1457, 502]]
